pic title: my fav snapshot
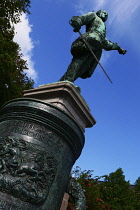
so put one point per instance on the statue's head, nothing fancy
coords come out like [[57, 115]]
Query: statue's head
[[102, 14]]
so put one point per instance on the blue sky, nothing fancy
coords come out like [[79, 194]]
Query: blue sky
[[45, 38]]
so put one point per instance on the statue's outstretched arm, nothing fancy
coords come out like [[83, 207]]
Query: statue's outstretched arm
[[108, 45], [77, 21]]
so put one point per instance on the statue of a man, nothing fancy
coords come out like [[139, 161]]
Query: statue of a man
[[83, 63]]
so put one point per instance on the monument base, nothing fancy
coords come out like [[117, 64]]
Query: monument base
[[65, 96], [39, 143]]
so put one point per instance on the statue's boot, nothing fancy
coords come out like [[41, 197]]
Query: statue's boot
[[72, 71]]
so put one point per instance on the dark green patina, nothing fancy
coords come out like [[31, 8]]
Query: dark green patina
[[75, 190], [83, 63], [39, 144]]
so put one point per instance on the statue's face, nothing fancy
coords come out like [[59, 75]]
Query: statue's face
[[102, 14]]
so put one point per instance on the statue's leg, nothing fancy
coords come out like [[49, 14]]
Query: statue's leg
[[73, 71]]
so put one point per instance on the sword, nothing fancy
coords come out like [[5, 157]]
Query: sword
[[94, 56]]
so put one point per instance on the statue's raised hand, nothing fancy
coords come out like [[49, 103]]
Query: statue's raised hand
[[121, 51], [75, 23]]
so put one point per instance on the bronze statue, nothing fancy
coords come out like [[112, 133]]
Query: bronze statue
[[83, 63], [75, 190]]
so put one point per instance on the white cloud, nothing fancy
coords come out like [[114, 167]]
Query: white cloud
[[122, 12], [119, 11], [99, 4], [22, 37], [122, 22]]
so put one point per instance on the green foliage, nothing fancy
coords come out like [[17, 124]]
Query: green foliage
[[137, 190], [92, 189], [137, 185], [12, 9], [13, 79], [112, 193], [117, 192]]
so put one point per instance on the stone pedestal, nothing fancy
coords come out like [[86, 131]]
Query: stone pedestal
[[64, 202], [40, 140], [65, 96]]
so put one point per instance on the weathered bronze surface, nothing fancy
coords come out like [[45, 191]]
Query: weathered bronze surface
[[75, 190], [38, 147], [83, 64]]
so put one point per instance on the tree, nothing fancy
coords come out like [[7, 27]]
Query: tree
[[137, 191], [13, 79], [116, 190], [91, 188], [112, 193], [137, 185], [12, 9]]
